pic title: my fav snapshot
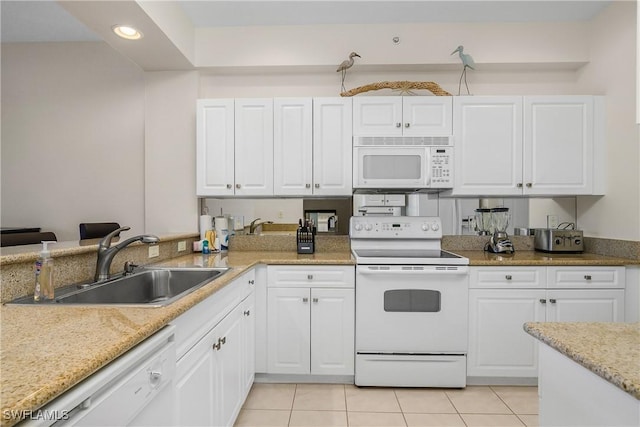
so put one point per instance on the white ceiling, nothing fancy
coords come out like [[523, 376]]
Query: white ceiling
[[34, 21]]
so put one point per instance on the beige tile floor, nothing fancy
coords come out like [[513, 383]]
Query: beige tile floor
[[280, 405]]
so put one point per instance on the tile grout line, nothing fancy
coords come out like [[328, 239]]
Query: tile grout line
[[400, 406], [505, 403]]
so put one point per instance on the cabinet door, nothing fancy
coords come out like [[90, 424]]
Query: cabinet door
[[558, 145], [498, 346], [229, 385], [292, 146], [214, 147], [488, 145], [427, 115], [377, 116], [248, 343], [254, 147], [332, 331], [332, 147], [196, 379], [288, 325], [605, 305]]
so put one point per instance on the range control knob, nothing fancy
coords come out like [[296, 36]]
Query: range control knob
[[358, 227], [577, 241], [558, 241], [368, 227], [435, 226], [425, 227]]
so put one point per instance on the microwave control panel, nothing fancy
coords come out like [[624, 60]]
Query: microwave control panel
[[441, 167]]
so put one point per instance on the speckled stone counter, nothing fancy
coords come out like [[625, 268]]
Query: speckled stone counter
[[483, 258], [610, 350], [45, 350]]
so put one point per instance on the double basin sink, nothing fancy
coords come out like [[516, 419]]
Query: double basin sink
[[148, 287]]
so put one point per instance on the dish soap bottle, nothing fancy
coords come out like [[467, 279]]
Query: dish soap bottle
[[44, 275]]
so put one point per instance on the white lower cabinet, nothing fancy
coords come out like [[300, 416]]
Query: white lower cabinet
[[310, 320], [502, 299], [215, 374]]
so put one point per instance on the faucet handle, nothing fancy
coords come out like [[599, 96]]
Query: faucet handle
[[129, 267], [106, 240]]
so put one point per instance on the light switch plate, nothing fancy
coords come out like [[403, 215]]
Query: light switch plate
[[552, 221], [182, 245], [154, 251]]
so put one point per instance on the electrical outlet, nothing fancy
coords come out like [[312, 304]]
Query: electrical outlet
[[182, 245], [552, 221], [154, 251]]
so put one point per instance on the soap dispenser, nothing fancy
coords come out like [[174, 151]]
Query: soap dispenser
[[44, 275]]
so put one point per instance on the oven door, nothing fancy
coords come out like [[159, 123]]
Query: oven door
[[391, 167], [404, 309]]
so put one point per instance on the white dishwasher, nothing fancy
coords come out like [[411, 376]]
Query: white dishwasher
[[135, 389]]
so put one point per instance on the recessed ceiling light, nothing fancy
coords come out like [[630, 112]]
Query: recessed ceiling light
[[127, 32]]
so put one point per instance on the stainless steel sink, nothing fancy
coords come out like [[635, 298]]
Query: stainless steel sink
[[150, 287]]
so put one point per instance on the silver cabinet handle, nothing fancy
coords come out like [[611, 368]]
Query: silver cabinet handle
[[543, 301], [247, 313], [154, 377], [552, 300], [309, 276], [407, 125], [237, 185], [223, 340], [519, 185], [529, 185], [317, 185], [229, 186], [398, 125], [307, 186], [251, 282], [305, 299], [508, 277], [315, 300], [217, 346], [587, 277]]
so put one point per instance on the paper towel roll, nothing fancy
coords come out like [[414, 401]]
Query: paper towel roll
[[205, 224], [413, 204]]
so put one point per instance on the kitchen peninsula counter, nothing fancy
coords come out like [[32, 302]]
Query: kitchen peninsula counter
[[535, 258], [47, 349]]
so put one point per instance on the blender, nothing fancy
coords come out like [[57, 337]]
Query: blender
[[499, 242], [483, 222]]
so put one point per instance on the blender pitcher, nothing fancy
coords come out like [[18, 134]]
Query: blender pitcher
[[499, 242]]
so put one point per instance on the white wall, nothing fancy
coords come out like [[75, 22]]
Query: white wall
[[171, 205], [72, 137], [612, 72]]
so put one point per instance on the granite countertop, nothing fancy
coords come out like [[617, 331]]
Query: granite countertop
[[610, 350], [535, 258], [45, 350]]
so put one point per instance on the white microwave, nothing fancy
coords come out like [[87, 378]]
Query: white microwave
[[403, 162]]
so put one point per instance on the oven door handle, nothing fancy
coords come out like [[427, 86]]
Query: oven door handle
[[426, 270]]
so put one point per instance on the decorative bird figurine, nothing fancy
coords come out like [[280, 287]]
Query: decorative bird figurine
[[467, 62], [346, 64]]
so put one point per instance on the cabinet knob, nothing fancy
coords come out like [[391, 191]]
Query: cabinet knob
[[307, 186], [543, 301], [508, 277], [529, 185], [552, 300], [398, 125], [222, 340], [315, 300], [247, 313], [407, 125], [310, 276], [587, 277], [229, 186], [251, 282], [317, 185], [216, 347], [154, 377], [237, 185], [519, 185], [305, 299]]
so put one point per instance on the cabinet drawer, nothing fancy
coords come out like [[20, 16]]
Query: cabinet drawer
[[586, 277], [507, 277], [307, 275]]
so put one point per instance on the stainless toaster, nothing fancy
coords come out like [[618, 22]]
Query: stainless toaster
[[556, 240]]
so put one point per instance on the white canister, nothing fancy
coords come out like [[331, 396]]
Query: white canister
[[222, 231], [206, 224]]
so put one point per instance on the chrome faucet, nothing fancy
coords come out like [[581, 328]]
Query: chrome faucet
[[253, 225], [106, 252]]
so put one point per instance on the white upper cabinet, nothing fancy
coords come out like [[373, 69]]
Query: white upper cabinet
[[214, 148], [312, 146], [332, 146], [488, 136], [234, 147], [532, 145], [254, 147], [402, 116], [292, 146]]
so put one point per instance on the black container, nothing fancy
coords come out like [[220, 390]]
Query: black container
[[306, 240]]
